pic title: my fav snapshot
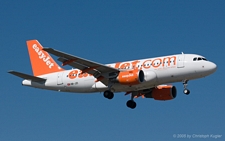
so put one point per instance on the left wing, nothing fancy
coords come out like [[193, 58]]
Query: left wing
[[99, 71]]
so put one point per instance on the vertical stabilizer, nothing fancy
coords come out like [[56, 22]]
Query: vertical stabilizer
[[41, 61]]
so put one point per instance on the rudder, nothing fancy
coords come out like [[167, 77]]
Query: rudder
[[41, 61]]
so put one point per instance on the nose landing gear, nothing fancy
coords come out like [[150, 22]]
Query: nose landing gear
[[186, 91]]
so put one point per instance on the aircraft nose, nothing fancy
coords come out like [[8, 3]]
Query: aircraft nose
[[212, 67]]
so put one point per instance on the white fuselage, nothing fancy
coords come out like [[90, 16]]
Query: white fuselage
[[157, 71]]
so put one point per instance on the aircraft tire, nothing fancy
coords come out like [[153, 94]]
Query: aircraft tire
[[131, 104], [186, 91], [108, 94]]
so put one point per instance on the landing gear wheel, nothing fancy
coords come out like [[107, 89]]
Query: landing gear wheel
[[186, 91], [108, 94], [131, 104]]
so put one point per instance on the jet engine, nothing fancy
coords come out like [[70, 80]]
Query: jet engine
[[132, 77], [163, 92]]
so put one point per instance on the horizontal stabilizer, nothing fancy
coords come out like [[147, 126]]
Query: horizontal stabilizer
[[26, 76]]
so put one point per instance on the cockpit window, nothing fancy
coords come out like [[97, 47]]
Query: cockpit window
[[199, 59]]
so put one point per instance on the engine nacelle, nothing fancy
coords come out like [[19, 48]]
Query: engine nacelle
[[166, 92], [132, 77], [150, 76]]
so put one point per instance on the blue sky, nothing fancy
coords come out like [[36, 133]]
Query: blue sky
[[108, 32]]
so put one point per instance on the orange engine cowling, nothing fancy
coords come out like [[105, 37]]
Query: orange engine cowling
[[132, 77], [167, 92]]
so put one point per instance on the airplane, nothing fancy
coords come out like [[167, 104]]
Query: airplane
[[145, 78]]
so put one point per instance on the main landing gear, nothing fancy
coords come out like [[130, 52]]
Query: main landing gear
[[131, 103], [108, 94], [186, 91]]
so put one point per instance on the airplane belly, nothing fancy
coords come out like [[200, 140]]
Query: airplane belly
[[117, 87], [168, 75]]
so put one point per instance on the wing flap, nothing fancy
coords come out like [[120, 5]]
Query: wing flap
[[26, 76]]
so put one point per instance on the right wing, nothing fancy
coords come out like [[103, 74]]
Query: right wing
[[99, 71]]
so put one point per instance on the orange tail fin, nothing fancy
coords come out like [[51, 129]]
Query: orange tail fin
[[41, 61]]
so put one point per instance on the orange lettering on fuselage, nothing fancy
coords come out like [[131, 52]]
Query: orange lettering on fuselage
[[169, 60], [73, 74], [155, 63], [145, 64], [117, 65], [81, 74], [125, 65], [134, 64]]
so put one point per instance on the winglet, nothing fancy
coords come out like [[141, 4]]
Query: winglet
[[41, 61]]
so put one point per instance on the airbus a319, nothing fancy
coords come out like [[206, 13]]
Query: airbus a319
[[145, 78]]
